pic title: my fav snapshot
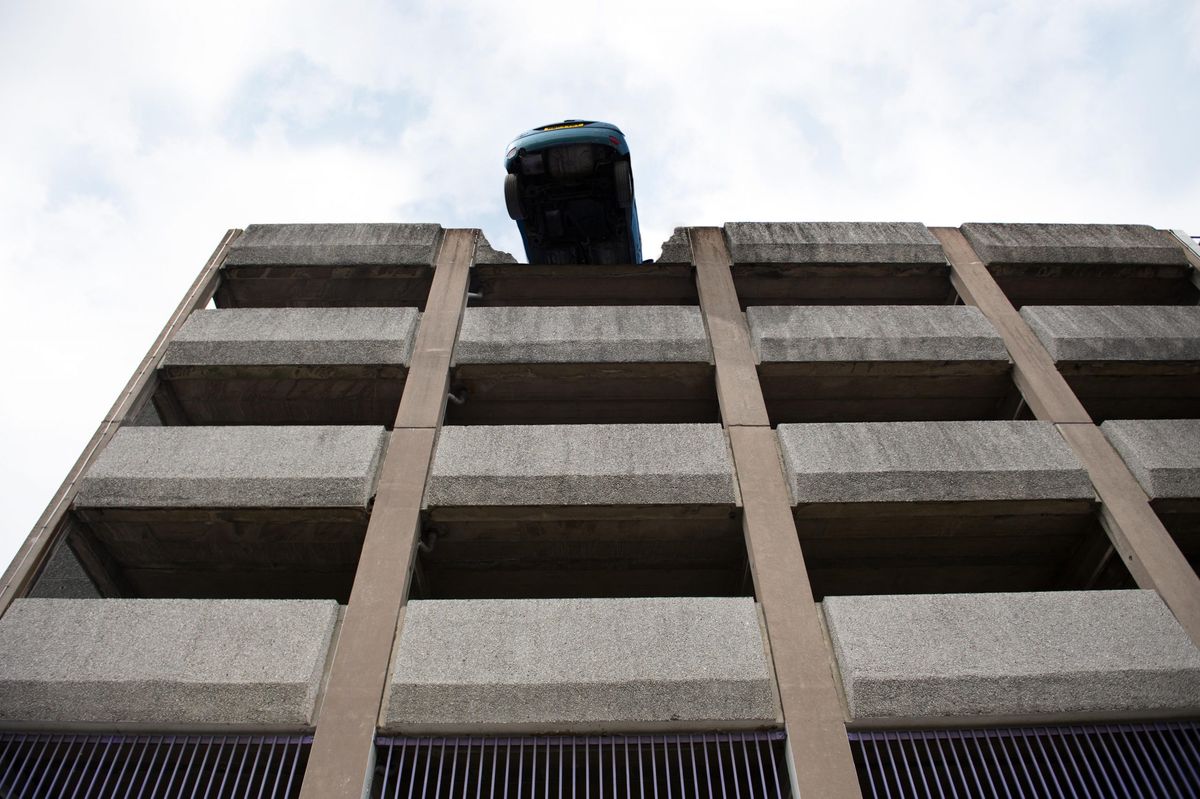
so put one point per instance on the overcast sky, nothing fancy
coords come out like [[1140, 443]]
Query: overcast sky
[[135, 134]]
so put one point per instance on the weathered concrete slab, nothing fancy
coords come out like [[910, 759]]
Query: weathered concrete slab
[[1071, 244], [486, 254], [302, 336], [235, 467], [585, 464], [336, 245], [873, 333], [930, 461], [677, 249], [582, 334], [559, 664], [1117, 332], [163, 662], [832, 243], [1163, 454], [64, 577], [1065, 652]]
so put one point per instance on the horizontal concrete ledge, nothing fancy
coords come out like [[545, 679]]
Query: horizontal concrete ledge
[[559, 665], [1044, 244], [336, 245], [300, 336], [1117, 332], [164, 662], [873, 333], [930, 462], [581, 334], [235, 467], [964, 656], [1163, 454], [587, 464], [832, 243]]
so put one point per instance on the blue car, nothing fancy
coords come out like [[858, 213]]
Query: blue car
[[570, 189]]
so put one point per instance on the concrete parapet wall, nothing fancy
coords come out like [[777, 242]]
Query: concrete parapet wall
[[302, 336], [1163, 454], [550, 665], [163, 662], [580, 334], [1071, 244], [930, 461], [336, 245], [226, 467], [832, 243], [586, 464], [1117, 332], [873, 333], [970, 655]]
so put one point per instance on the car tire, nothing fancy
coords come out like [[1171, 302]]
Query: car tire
[[623, 178], [512, 197]]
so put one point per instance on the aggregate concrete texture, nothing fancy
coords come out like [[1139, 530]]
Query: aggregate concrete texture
[[554, 664], [64, 577], [228, 467], [1163, 454], [832, 243], [930, 461], [873, 333], [586, 464], [1012, 654], [302, 336], [1071, 244], [1117, 332], [486, 254], [162, 662], [677, 249], [336, 245], [581, 334]]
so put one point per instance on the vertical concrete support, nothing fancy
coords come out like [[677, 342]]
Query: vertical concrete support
[[342, 756], [1149, 552], [41, 540], [823, 765]]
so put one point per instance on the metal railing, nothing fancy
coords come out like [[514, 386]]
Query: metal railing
[[127, 766]]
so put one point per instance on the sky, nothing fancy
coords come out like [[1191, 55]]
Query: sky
[[137, 133]]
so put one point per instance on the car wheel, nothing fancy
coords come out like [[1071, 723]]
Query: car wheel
[[623, 178], [512, 197]]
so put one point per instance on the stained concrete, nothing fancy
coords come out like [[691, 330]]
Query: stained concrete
[[228, 467], [581, 334], [64, 577], [930, 461], [1163, 454], [164, 662], [558, 664], [301, 336], [832, 243], [336, 245], [873, 333], [1071, 244], [1117, 332], [1020, 654], [586, 464]]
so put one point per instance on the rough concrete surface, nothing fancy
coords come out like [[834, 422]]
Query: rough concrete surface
[[1071, 244], [303, 336], [580, 334], [336, 245], [164, 661], [227, 467], [585, 464], [64, 577], [1163, 454], [832, 243], [873, 333], [552, 664], [486, 254], [677, 249], [1117, 332], [1012, 654], [930, 461]]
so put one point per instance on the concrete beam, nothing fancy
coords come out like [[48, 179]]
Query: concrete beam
[[1071, 244], [1117, 332], [1163, 454], [163, 662], [930, 461], [965, 656], [832, 243], [551, 665], [586, 464], [235, 467], [336, 245]]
